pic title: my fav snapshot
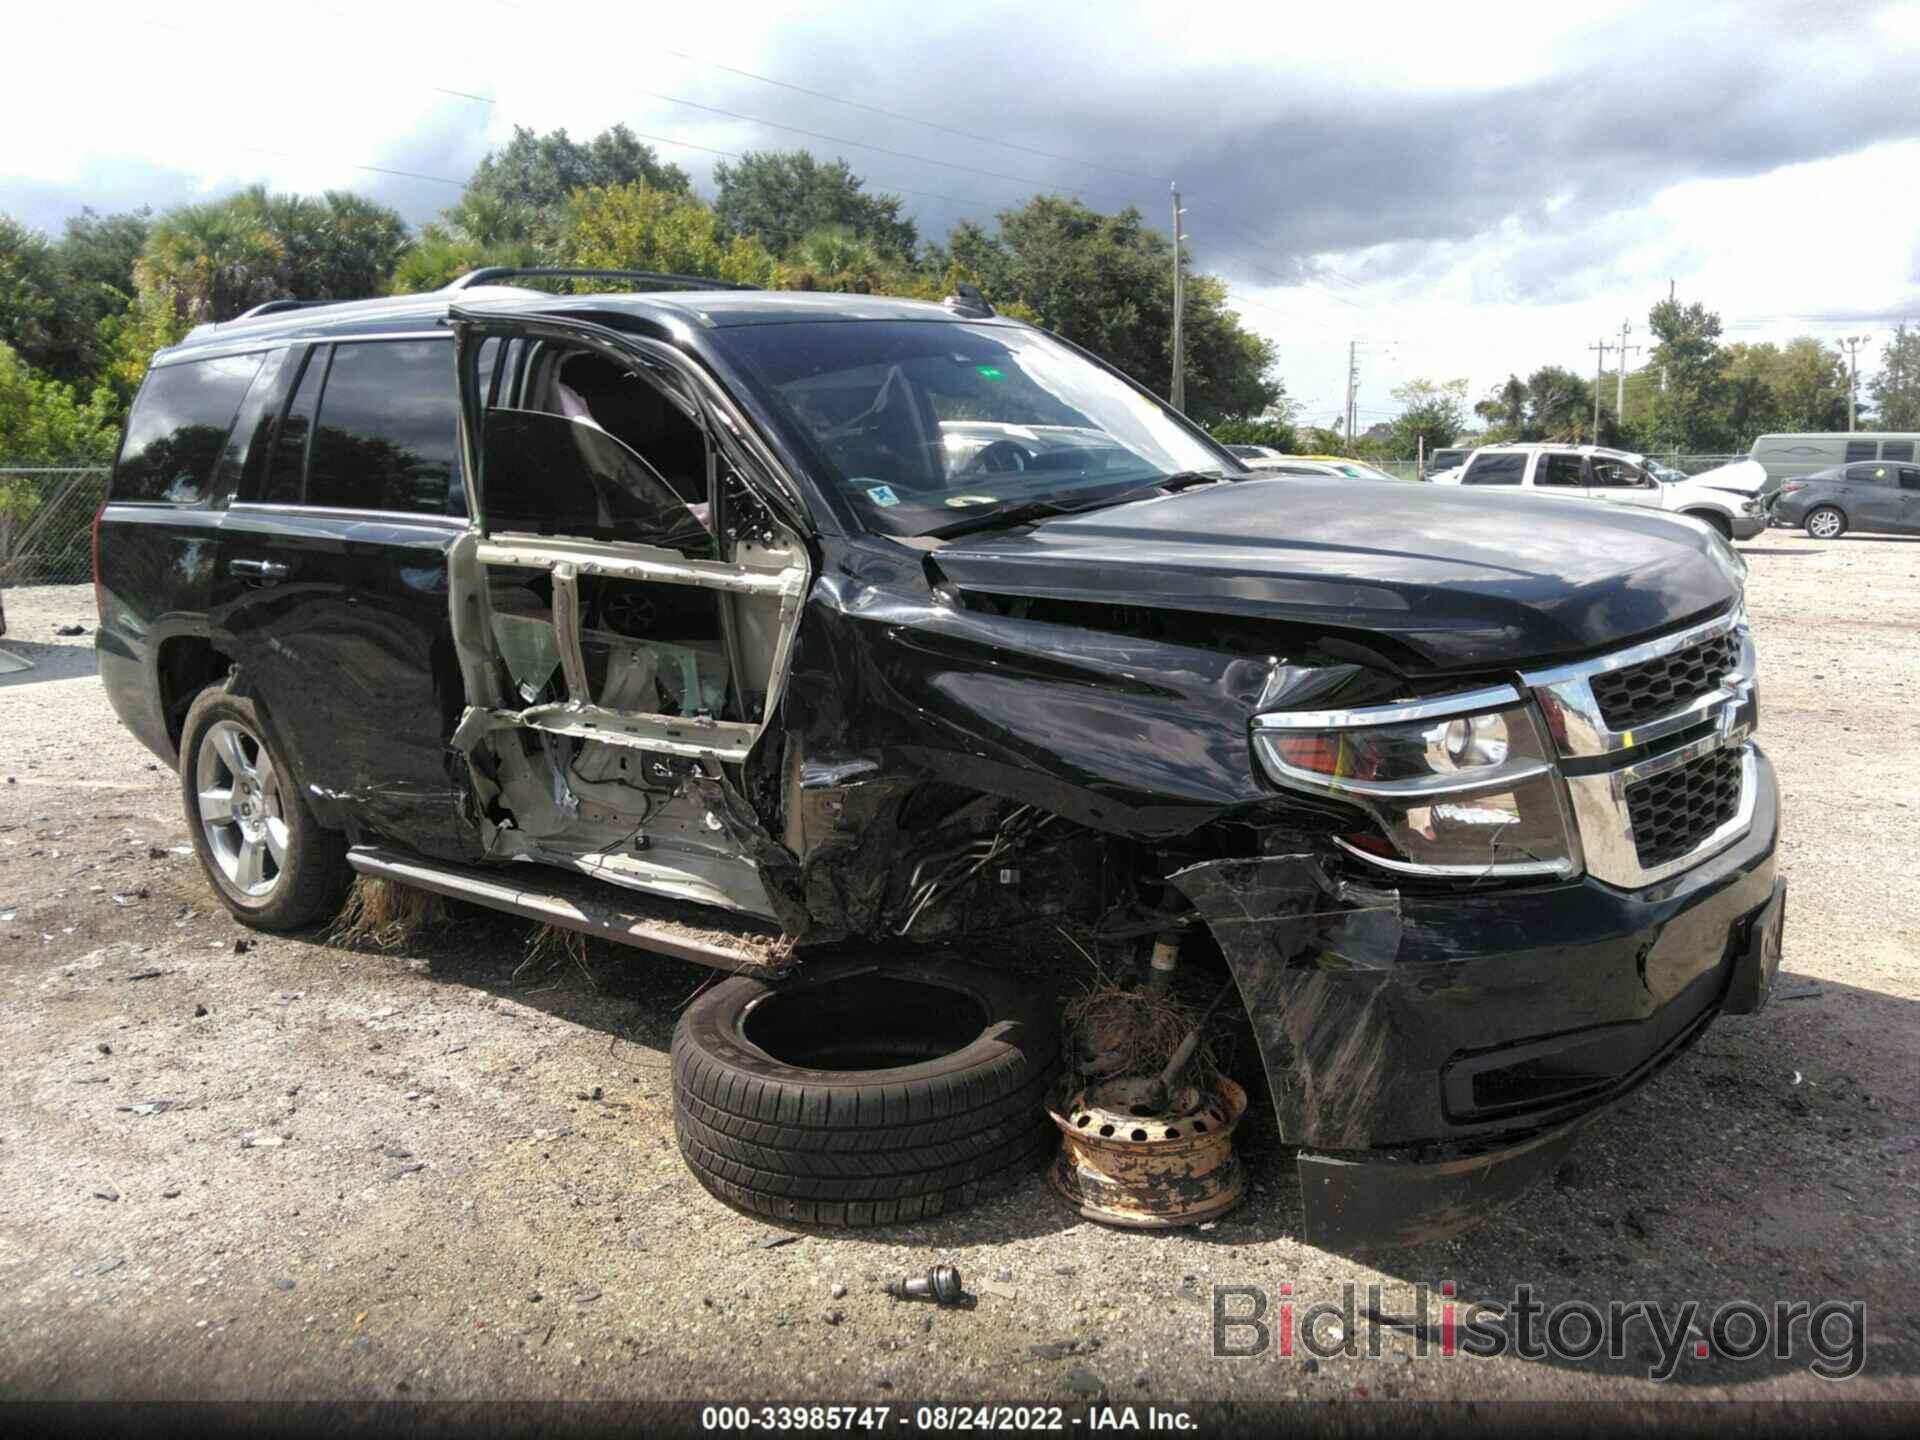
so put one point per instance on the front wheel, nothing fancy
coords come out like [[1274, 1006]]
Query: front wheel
[[1826, 523], [269, 860], [1713, 519]]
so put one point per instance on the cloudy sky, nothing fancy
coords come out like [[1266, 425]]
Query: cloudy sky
[[1465, 190]]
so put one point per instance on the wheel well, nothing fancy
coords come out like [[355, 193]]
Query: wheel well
[[1713, 518], [186, 665]]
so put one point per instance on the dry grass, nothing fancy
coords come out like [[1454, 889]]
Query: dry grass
[[551, 946], [1114, 1031], [385, 915]]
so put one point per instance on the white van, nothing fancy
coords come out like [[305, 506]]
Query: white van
[[1594, 472]]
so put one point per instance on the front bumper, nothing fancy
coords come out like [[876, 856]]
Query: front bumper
[[1431, 1053], [1745, 527]]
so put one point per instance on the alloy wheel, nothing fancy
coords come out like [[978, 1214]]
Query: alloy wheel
[[242, 813]]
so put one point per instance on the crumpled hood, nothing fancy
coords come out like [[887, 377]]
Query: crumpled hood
[[1465, 578], [1742, 477]]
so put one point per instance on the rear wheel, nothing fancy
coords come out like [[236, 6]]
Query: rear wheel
[[858, 1093], [268, 859], [1826, 523]]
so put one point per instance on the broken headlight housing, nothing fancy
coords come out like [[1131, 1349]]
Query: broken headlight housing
[[1460, 786]]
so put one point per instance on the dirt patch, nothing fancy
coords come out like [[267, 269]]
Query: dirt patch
[[246, 1166]]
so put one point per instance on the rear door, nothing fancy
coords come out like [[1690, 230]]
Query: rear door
[[331, 582], [1872, 497], [1908, 516], [1561, 473]]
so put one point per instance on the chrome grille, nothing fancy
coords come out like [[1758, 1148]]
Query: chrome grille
[[1674, 812], [1659, 686]]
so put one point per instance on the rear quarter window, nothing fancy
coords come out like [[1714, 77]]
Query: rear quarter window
[[178, 428], [1495, 470]]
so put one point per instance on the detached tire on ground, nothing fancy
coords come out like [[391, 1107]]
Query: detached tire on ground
[[861, 1092]]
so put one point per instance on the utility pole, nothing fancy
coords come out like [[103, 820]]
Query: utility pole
[[1852, 346], [1599, 373], [1620, 387], [1177, 396], [1353, 382]]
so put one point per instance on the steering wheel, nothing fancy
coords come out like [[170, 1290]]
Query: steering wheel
[[1000, 457]]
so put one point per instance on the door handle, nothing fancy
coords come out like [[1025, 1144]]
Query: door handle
[[258, 569]]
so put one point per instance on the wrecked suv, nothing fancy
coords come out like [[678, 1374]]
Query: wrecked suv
[[730, 624]]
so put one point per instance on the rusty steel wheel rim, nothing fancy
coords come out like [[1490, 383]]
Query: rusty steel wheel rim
[[1172, 1167]]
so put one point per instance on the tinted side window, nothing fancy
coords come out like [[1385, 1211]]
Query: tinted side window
[[1901, 450], [179, 428], [286, 459], [384, 439], [1560, 470], [1909, 478], [1495, 470], [1869, 475], [1861, 449]]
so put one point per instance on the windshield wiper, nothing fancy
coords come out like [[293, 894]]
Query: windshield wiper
[[1045, 509], [1002, 519]]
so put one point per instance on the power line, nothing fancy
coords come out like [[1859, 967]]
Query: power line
[[914, 119]]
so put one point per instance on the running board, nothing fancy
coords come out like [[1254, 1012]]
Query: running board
[[727, 942]]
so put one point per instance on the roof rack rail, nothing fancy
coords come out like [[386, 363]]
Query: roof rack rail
[[487, 274], [274, 307]]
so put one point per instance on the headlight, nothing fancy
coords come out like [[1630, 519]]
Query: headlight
[[1752, 507], [1460, 786]]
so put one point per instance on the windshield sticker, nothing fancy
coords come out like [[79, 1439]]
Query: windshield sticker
[[960, 502], [881, 495], [990, 372]]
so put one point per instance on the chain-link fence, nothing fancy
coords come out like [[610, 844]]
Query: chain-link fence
[[46, 523]]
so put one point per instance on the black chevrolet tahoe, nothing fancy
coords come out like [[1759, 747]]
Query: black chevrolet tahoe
[[728, 624]]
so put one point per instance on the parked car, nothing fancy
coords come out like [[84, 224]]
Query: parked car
[[1787, 457], [1337, 465], [1256, 455], [1620, 477], [684, 618], [1445, 458], [1876, 496]]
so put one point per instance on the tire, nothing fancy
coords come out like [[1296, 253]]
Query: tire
[[1825, 522], [270, 862], [865, 1093], [1713, 519]]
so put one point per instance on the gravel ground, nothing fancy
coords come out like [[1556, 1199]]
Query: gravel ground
[[278, 1168]]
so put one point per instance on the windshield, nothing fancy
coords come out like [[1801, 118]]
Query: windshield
[[921, 423]]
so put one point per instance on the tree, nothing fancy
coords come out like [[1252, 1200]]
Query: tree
[[541, 172], [481, 229], [1505, 406], [1559, 404], [1431, 413], [783, 196], [227, 255], [636, 227], [1105, 282], [156, 319], [1896, 389], [43, 422], [217, 259], [1690, 413], [1275, 434], [97, 255], [37, 314]]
